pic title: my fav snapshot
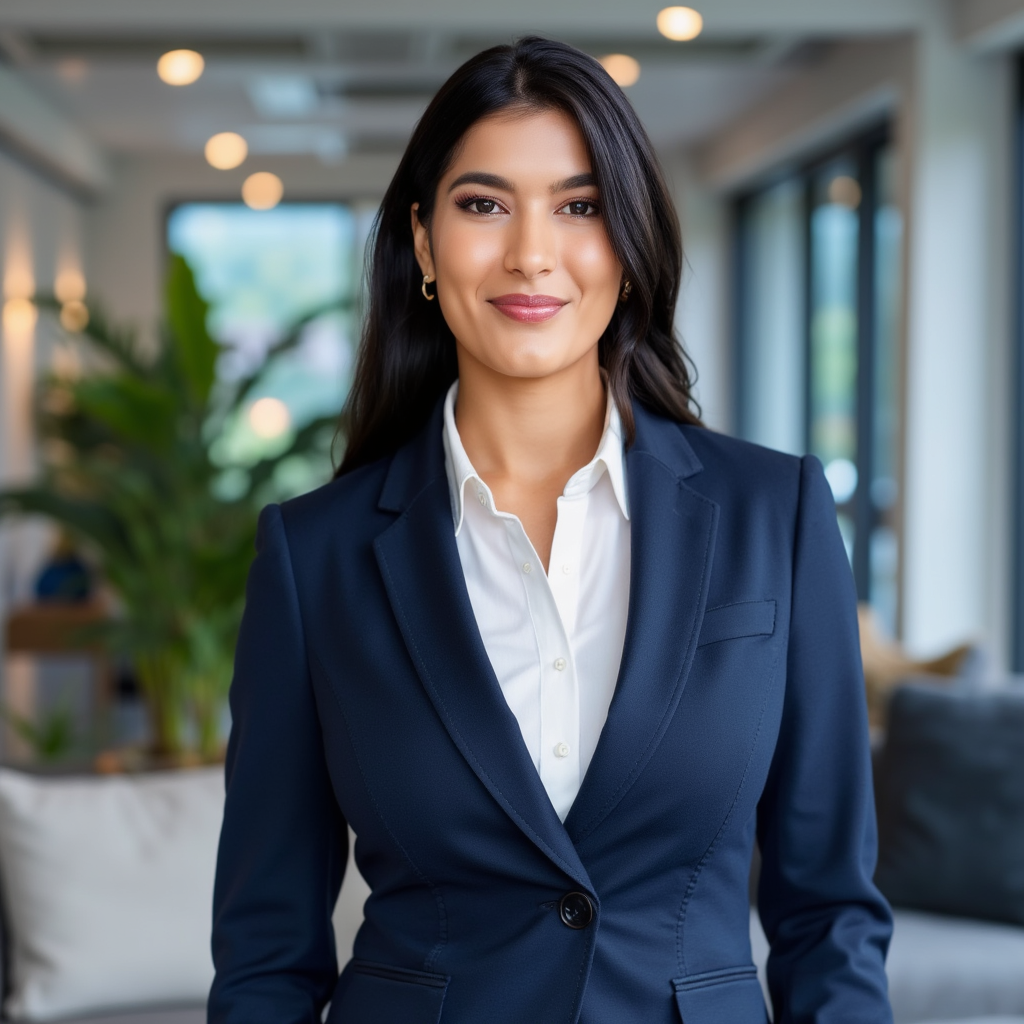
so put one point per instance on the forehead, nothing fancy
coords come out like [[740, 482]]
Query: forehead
[[523, 145]]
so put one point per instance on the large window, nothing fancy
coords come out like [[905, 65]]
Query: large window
[[261, 271], [817, 313]]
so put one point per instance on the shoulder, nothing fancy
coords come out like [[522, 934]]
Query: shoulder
[[346, 506], [748, 481], [723, 456]]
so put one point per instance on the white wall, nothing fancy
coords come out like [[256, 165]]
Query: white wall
[[702, 311], [956, 574], [40, 235]]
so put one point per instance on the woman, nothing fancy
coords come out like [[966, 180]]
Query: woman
[[554, 651]]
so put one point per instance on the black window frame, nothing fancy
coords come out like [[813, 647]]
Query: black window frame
[[863, 149]]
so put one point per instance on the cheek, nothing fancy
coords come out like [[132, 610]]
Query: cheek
[[465, 256], [593, 263]]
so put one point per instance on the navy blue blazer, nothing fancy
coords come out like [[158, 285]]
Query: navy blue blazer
[[363, 694]]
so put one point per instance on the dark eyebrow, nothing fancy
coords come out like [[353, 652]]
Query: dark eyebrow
[[482, 178], [576, 181], [586, 180]]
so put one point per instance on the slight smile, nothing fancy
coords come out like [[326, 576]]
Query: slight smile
[[528, 309]]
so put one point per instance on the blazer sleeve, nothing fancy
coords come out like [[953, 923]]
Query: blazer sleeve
[[828, 926], [283, 844]]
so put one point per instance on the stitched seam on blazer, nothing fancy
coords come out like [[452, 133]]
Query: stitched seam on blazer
[[442, 915], [705, 857], [464, 746], [309, 678], [573, 1012], [645, 754]]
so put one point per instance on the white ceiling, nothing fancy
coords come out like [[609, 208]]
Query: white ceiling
[[564, 17], [366, 69]]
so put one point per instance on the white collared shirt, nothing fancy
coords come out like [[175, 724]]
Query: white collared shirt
[[554, 639]]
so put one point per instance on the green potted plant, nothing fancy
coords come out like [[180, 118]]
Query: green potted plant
[[130, 468]]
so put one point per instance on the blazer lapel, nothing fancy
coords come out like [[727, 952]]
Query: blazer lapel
[[672, 535], [419, 560]]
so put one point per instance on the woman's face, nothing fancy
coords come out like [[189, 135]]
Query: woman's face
[[525, 274]]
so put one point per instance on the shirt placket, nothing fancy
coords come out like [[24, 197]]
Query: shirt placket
[[559, 764]]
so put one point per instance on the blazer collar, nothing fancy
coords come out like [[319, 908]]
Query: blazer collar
[[672, 534], [419, 561]]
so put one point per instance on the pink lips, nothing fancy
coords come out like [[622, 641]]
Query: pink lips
[[528, 309]]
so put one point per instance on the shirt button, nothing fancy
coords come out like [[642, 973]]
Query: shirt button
[[527, 568], [483, 498], [562, 750], [567, 568], [560, 664]]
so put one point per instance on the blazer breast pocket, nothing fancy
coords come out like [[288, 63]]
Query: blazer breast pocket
[[732, 621]]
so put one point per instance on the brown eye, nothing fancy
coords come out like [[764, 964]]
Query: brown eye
[[580, 208], [483, 206]]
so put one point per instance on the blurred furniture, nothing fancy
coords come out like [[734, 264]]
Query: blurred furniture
[[62, 629], [107, 886], [950, 798], [950, 782], [946, 969], [886, 664]]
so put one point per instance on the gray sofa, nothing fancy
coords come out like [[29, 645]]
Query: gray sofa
[[944, 969]]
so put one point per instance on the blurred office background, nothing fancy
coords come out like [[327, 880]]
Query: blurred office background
[[849, 180]]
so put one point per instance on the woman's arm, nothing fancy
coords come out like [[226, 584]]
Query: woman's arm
[[828, 925], [283, 844]]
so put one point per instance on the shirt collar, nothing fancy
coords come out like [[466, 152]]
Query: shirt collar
[[610, 458]]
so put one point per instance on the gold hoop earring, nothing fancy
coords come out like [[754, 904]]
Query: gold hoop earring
[[626, 289], [423, 288]]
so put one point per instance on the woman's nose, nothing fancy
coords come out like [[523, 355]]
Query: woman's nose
[[531, 244]]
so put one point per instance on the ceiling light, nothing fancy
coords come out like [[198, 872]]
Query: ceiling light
[[624, 70], [19, 316], [226, 150], [262, 190], [69, 285], [269, 417], [680, 23], [844, 191], [74, 316], [73, 70], [180, 67]]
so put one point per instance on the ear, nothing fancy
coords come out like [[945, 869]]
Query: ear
[[421, 243]]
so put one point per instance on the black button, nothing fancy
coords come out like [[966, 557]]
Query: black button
[[576, 910]]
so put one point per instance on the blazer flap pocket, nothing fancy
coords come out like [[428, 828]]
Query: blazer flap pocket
[[729, 621], [731, 996], [372, 993]]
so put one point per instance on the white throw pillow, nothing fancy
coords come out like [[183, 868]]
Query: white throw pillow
[[108, 888]]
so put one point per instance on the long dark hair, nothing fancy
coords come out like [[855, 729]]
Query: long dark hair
[[407, 356]]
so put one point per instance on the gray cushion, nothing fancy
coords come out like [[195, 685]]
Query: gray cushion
[[182, 1015], [943, 969], [950, 792]]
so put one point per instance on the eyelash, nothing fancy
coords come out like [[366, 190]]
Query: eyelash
[[465, 202]]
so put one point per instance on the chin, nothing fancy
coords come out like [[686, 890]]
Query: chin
[[531, 362]]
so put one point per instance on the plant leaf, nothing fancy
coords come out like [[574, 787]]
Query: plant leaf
[[196, 352]]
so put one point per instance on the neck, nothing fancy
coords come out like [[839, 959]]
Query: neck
[[530, 429]]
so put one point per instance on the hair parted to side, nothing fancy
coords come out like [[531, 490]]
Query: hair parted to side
[[407, 356]]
